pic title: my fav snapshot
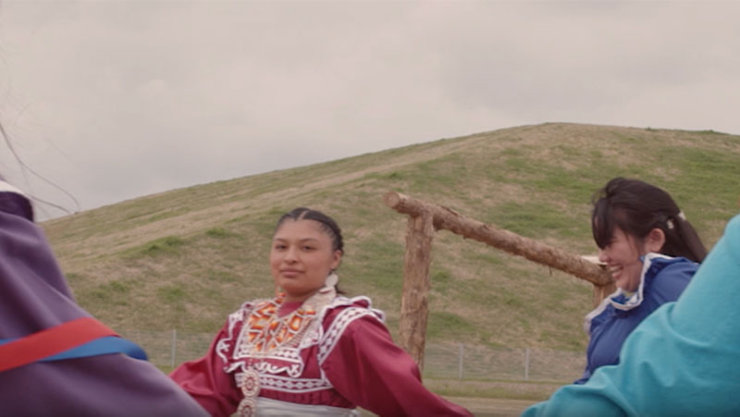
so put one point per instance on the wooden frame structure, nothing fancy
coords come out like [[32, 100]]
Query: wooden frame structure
[[424, 219]]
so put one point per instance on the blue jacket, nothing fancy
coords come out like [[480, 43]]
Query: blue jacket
[[683, 360], [662, 280]]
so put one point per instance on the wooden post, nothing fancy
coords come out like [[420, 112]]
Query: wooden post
[[424, 219], [444, 218], [603, 291], [414, 301]]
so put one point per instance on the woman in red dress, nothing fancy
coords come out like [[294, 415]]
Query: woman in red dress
[[308, 351]]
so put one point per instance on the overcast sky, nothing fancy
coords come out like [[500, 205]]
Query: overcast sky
[[113, 100]]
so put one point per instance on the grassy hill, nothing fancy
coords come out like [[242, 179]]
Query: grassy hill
[[187, 257]]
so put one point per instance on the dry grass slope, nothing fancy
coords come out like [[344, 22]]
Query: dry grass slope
[[188, 257]]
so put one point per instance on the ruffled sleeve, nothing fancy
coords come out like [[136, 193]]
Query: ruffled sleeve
[[367, 368]]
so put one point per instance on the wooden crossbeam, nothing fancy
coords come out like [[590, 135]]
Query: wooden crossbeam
[[425, 218]]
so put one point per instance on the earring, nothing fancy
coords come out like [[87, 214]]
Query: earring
[[331, 280]]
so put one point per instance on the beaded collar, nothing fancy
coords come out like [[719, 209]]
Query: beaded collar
[[266, 331], [267, 335]]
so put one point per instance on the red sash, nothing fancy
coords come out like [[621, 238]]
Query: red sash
[[51, 341]]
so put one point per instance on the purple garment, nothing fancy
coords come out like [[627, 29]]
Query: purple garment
[[34, 296]]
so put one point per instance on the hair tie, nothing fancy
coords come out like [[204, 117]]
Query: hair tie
[[669, 222]]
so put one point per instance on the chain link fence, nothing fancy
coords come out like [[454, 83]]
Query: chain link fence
[[167, 349], [483, 363]]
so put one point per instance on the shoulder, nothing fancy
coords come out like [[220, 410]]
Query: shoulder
[[668, 265], [670, 272], [342, 314], [345, 310], [666, 277]]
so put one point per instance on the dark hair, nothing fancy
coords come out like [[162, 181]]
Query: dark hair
[[637, 207], [327, 224]]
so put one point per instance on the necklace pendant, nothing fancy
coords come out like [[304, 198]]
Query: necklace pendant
[[250, 387]]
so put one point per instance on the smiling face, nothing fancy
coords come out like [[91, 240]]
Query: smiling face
[[622, 258], [301, 258]]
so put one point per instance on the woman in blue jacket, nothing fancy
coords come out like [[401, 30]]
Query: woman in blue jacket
[[683, 360], [651, 251]]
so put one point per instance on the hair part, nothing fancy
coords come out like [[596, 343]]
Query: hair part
[[328, 225], [637, 207]]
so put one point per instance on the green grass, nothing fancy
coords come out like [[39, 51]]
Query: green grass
[[533, 391], [187, 257], [166, 245]]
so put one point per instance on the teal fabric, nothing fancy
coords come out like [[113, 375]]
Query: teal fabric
[[683, 360]]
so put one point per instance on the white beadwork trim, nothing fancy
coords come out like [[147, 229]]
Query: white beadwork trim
[[294, 369], [223, 345], [337, 327], [314, 335], [293, 385]]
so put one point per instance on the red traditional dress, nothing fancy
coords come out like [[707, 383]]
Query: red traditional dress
[[323, 357]]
